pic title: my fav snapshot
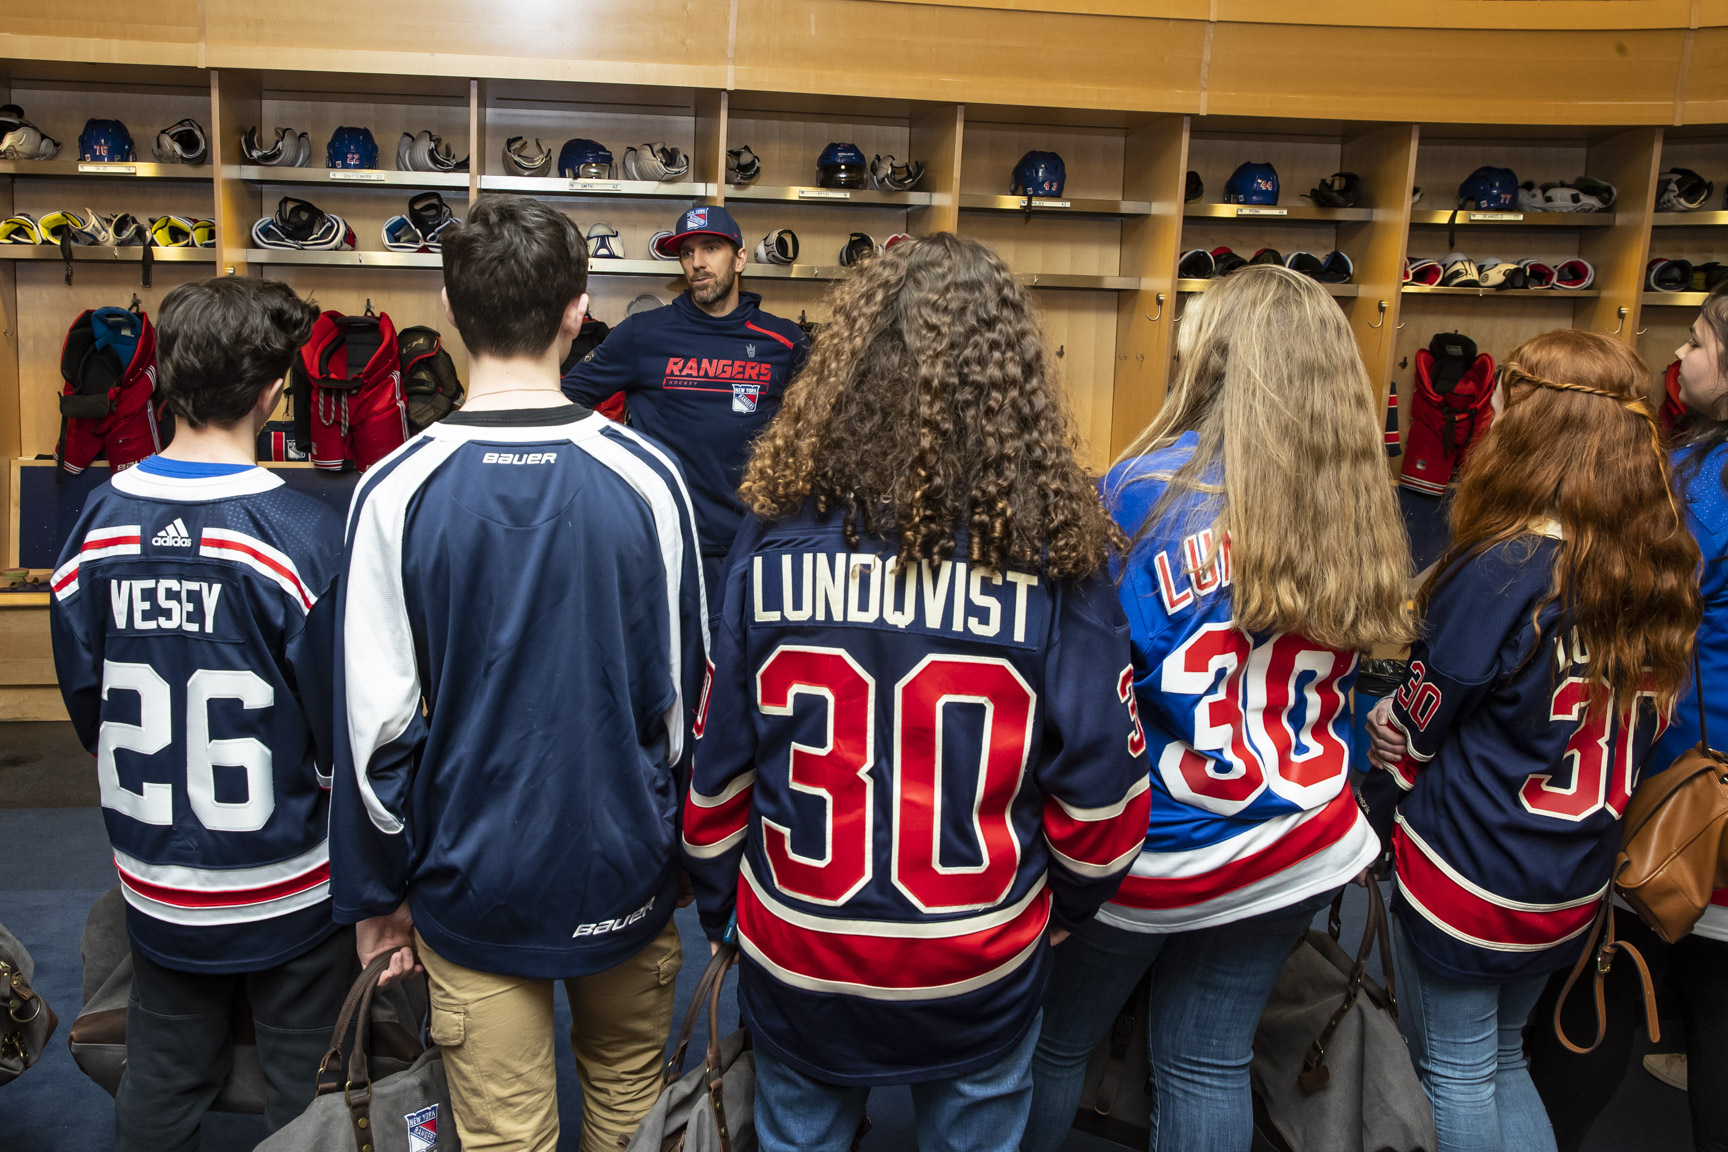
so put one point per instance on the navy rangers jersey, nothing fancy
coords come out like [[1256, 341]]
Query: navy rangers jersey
[[905, 777], [705, 387], [521, 641], [185, 620], [1506, 836], [1248, 736]]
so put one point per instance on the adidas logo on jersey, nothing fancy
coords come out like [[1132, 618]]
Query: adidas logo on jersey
[[173, 535]]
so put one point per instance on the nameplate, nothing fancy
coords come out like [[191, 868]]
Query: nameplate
[[110, 169], [356, 177], [1495, 217], [824, 194], [596, 186], [1034, 202], [1262, 211]]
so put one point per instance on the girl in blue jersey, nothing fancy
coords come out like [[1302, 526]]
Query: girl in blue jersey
[[1557, 634], [1267, 554], [1577, 1088]]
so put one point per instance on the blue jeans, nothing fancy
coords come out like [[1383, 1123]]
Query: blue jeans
[[983, 1111], [1209, 987], [1468, 1044]]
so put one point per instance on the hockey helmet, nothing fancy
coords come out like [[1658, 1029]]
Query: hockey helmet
[[1197, 264], [657, 161], [778, 247], [1252, 183], [22, 140], [1681, 190], [351, 148], [584, 159], [182, 143], [860, 246], [1663, 275], [523, 160], [1335, 268], [1489, 189], [887, 174], [1039, 174], [842, 166], [1226, 261], [1306, 263], [604, 243], [742, 166], [105, 141], [1195, 188], [1339, 190], [290, 149]]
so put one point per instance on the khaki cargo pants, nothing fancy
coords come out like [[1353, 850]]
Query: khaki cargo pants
[[496, 1035]]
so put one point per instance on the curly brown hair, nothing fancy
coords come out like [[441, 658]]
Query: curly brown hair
[[1577, 444], [925, 408]]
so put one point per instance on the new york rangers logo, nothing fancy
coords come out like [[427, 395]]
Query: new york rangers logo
[[422, 1129], [695, 218], [744, 397]]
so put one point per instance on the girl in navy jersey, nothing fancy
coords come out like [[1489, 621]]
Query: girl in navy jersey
[[1557, 634], [1267, 553], [1577, 1088]]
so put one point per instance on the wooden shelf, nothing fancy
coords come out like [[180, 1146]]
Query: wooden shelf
[[352, 177], [1689, 219], [1340, 290], [621, 189], [1517, 293], [852, 197], [86, 254], [1675, 299], [1045, 206], [1294, 214], [83, 170], [1062, 280], [1443, 219], [336, 259]]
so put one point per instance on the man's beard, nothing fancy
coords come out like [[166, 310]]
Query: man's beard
[[715, 288]]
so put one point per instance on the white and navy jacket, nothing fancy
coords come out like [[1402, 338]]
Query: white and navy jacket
[[185, 621], [1248, 735], [520, 647], [906, 776]]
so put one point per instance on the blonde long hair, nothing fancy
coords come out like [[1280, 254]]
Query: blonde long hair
[[1271, 382]]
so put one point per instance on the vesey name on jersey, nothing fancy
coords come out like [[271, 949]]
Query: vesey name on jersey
[[862, 588], [164, 605]]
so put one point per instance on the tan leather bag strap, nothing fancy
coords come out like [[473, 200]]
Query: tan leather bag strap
[[330, 1068], [716, 1075], [712, 977], [1603, 925]]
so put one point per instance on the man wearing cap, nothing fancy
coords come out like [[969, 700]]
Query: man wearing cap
[[703, 376]]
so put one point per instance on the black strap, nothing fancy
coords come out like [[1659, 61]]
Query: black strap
[[148, 259], [1698, 687]]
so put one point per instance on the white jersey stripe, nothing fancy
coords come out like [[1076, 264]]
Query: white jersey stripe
[[188, 878]]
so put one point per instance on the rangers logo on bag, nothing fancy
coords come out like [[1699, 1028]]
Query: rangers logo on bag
[[422, 1129]]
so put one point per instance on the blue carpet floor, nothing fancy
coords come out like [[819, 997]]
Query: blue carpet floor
[[54, 863]]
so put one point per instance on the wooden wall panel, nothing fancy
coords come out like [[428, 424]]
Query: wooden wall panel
[[28, 687], [1082, 327], [934, 52], [1630, 162], [1154, 169], [937, 140], [161, 32], [1703, 95], [1624, 77], [1386, 161], [1572, 14], [645, 41]]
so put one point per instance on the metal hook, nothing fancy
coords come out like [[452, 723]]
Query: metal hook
[[1641, 331], [1621, 327], [369, 311], [1382, 323], [1154, 319], [1061, 351]]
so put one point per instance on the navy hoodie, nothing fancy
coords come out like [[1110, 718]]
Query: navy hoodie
[[704, 387]]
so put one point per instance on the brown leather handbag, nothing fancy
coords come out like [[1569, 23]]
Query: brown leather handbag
[[1674, 838]]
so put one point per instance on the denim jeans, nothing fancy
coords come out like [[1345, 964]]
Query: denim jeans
[[982, 1111], [1468, 1044], [1209, 987]]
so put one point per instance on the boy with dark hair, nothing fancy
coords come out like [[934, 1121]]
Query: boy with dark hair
[[185, 626], [521, 645]]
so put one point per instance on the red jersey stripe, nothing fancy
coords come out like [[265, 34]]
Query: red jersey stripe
[[1316, 834], [1104, 839], [287, 573], [871, 960], [230, 898], [1479, 915], [767, 333], [708, 826]]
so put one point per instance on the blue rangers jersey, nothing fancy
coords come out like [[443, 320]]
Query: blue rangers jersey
[[1248, 736], [1699, 474], [1505, 838], [705, 387], [905, 776], [185, 618], [521, 642]]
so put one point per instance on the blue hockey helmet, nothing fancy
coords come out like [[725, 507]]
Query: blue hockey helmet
[[842, 166], [1252, 183], [584, 159], [1490, 189], [105, 140], [351, 148], [1039, 174]]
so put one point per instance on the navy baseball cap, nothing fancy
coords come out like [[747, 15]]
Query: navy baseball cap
[[701, 220]]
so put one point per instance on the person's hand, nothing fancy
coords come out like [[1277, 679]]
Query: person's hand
[[1057, 935], [1386, 743], [390, 933]]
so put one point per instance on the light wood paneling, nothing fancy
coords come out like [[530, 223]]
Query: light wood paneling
[[1575, 14], [1620, 77], [1629, 161], [937, 140], [1092, 157], [237, 103], [1386, 160], [788, 143], [1081, 326], [165, 33], [936, 52], [708, 157], [28, 687], [1154, 169], [554, 114]]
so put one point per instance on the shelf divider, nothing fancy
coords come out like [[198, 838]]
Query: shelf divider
[[1154, 170]]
